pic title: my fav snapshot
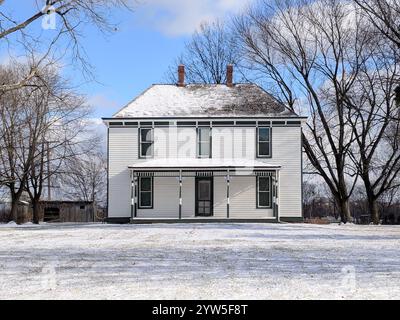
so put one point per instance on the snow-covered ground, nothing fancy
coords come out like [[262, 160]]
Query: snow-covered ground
[[199, 261]]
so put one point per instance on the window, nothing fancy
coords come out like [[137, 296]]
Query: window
[[263, 142], [145, 193], [264, 192], [146, 142], [204, 142]]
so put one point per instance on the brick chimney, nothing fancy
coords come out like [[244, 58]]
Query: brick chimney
[[181, 75], [229, 75]]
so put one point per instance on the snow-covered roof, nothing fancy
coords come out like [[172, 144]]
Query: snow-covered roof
[[204, 100], [182, 163]]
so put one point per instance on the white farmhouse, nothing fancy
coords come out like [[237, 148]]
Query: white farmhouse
[[200, 152]]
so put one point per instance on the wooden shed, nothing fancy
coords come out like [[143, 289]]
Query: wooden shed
[[23, 214], [67, 211]]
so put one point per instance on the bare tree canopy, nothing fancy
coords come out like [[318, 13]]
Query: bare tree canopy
[[43, 117], [72, 14], [69, 18], [206, 55], [85, 177], [326, 60], [310, 53], [384, 15], [373, 114]]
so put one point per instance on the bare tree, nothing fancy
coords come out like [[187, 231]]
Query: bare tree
[[18, 134], [36, 120], [206, 55], [35, 110], [372, 108], [85, 177], [384, 15], [72, 16], [310, 52], [60, 114]]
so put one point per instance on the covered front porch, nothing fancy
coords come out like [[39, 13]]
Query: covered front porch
[[204, 190]]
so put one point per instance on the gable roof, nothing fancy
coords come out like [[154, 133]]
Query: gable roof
[[204, 100]]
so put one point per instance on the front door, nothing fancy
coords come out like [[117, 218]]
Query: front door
[[204, 197]]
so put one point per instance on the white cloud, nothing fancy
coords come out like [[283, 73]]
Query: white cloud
[[102, 103], [5, 59], [182, 17]]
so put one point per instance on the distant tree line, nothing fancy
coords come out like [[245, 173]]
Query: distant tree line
[[319, 204], [336, 62]]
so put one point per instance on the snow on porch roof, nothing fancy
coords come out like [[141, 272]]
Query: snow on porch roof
[[204, 100], [183, 163]]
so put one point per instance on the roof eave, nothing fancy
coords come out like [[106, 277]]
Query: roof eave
[[105, 119]]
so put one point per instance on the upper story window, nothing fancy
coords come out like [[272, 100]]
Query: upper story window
[[204, 142], [146, 136], [263, 142]]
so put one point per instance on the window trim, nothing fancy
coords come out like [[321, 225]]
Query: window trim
[[141, 142], [140, 193], [269, 142], [270, 192], [209, 156]]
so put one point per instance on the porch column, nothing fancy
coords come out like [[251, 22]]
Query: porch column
[[132, 195], [228, 178], [135, 187], [277, 196], [180, 194], [275, 193]]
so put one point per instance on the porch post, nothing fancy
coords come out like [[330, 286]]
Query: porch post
[[275, 190], [132, 194], [135, 187], [180, 194], [278, 196], [227, 193]]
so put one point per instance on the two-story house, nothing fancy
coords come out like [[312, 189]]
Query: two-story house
[[204, 152]]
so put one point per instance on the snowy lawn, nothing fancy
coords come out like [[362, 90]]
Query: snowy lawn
[[199, 261]]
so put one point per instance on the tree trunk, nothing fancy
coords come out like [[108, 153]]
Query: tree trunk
[[374, 210], [14, 206], [14, 211], [35, 212], [344, 210]]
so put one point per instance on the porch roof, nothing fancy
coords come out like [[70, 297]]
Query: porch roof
[[189, 163]]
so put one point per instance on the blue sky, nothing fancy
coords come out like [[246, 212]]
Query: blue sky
[[139, 52]]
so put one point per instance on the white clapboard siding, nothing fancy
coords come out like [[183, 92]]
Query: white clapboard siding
[[220, 197], [161, 142], [123, 151], [186, 143], [188, 197], [286, 151], [166, 199], [243, 200], [174, 142], [228, 142], [244, 143], [222, 142]]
